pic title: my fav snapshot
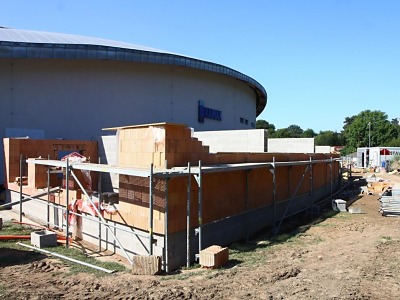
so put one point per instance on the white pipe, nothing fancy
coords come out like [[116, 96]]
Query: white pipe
[[67, 258]]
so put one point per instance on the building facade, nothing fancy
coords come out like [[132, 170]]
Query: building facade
[[70, 87]]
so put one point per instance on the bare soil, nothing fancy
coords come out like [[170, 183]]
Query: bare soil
[[344, 256]]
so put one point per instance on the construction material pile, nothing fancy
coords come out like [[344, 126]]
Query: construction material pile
[[390, 202]]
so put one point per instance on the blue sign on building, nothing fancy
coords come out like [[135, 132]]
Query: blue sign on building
[[208, 113]]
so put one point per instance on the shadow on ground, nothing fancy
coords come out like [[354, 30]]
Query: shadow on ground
[[9, 257]]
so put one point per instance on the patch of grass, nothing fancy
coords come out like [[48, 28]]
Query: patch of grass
[[318, 240], [2, 291], [324, 225], [194, 266], [26, 255], [386, 240], [10, 228], [343, 216], [180, 277], [79, 255]]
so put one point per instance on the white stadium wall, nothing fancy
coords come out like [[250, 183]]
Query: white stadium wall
[[86, 96], [65, 86], [76, 99]]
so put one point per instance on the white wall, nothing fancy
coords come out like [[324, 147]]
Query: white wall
[[323, 149], [291, 145], [75, 99], [251, 140], [108, 154], [96, 94]]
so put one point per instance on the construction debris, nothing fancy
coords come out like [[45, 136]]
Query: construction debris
[[390, 202], [44, 239]]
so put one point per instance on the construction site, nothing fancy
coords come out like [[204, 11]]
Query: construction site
[[173, 198], [174, 189]]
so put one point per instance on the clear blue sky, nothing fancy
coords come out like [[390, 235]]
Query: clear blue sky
[[319, 60]]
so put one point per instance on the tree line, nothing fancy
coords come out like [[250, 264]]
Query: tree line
[[367, 129]]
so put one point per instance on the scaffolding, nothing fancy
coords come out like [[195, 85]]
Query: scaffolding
[[190, 171]]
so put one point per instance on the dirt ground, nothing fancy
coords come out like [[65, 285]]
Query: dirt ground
[[345, 256]]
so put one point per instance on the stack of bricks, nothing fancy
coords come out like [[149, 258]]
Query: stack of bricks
[[140, 146], [12, 153], [37, 176]]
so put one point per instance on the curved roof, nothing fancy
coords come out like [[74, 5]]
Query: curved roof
[[34, 44]]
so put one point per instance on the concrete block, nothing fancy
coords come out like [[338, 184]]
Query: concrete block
[[146, 265], [355, 210], [214, 256], [339, 205], [43, 239]]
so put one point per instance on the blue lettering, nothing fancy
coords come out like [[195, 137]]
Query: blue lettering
[[209, 113]]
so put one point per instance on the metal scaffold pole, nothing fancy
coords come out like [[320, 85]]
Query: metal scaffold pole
[[311, 178], [291, 199], [273, 170], [67, 171], [151, 211], [48, 194], [311, 181], [101, 218], [189, 187], [20, 187], [200, 200], [331, 179], [198, 178], [99, 187], [247, 205], [166, 224]]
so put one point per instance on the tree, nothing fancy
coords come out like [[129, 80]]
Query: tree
[[368, 129], [281, 133], [262, 124], [394, 143], [295, 131], [309, 133], [328, 138], [348, 121]]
